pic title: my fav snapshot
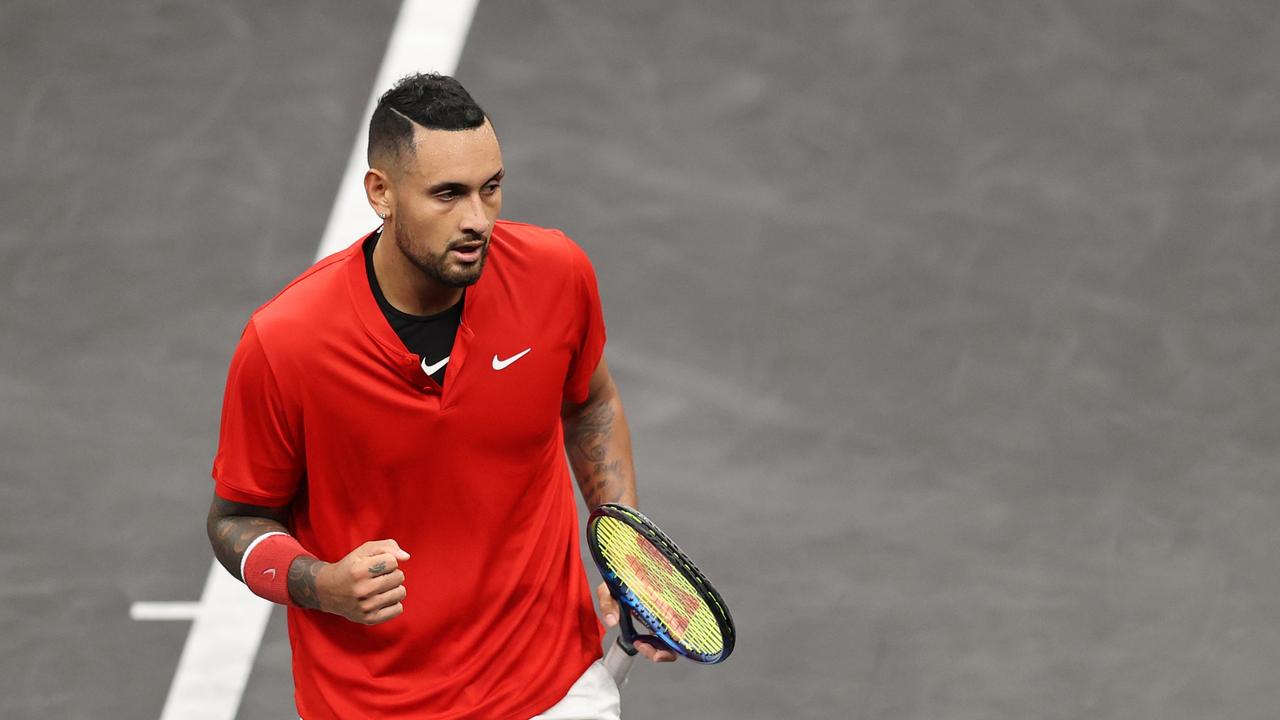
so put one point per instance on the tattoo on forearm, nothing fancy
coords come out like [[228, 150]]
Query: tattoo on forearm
[[302, 581], [588, 438], [378, 568], [233, 526]]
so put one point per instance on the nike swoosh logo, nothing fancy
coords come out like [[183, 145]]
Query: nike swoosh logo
[[503, 364], [271, 572], [433, 369]]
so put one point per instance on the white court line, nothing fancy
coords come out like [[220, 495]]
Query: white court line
[[229, 620], [428, 36], [164, 611], [219, 653]]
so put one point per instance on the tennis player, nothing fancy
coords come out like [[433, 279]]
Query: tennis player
[[392, 457]]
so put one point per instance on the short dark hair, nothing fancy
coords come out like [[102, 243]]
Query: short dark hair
[[434, 101]]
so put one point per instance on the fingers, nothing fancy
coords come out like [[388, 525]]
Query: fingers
[[381, 615], [383, 606], [609, 609], [377, 583], [375, 575], [653, 653], [367, 586], [375, 565], [379, 547], [371, 587], [372, 574], [608, 606]]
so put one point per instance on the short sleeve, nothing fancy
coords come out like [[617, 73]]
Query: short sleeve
[[259, 459], [588, 344]]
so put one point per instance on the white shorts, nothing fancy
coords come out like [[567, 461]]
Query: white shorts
[[593, 697]]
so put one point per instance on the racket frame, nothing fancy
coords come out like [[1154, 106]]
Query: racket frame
[[629, 602]]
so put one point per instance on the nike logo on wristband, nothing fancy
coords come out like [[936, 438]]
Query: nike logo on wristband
[[271, 572], [499, 364]]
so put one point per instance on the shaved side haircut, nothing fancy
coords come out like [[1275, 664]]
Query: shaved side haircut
[[434, 101]]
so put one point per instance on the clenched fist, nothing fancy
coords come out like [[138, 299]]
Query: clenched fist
[[366, 586]]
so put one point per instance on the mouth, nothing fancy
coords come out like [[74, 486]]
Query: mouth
[[467, 252]]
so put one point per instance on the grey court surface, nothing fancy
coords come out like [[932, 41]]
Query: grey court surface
[[948, 330]]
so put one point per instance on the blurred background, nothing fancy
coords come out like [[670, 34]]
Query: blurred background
[[947, 330]]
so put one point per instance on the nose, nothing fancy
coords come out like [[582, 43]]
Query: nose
[[474, 218]]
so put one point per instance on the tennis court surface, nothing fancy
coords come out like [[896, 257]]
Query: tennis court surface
[[948, 333]]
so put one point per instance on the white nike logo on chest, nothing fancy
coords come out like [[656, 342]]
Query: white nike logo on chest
[[433, 369], [499, 364]]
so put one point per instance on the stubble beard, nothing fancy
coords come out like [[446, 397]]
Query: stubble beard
[[439, 267]]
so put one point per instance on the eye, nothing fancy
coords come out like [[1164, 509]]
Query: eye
[[446, 195], [491, 188]]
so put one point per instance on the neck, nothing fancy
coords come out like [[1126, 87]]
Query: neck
[[405, 286]]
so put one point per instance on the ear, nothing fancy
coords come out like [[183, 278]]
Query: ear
[[377, 188]]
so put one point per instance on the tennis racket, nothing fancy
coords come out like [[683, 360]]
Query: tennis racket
[[652, 578]]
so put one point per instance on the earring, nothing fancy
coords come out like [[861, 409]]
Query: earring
[[383, 215]]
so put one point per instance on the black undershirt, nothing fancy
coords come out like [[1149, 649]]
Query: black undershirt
[[430, 337]]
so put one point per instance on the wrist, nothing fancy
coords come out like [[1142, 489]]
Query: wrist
[[266, 566], [305, 582]]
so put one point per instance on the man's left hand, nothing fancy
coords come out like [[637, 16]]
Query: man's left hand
[[609, 609]]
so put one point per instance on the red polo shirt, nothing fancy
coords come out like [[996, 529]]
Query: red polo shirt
[[326, 410]]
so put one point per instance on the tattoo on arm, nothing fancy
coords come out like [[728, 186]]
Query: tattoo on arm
[[302, 581], [233, 526], [597, 463]]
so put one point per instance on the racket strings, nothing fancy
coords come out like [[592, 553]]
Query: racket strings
[[658, 584]]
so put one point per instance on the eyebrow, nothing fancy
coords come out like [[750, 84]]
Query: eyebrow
[[454, 186]]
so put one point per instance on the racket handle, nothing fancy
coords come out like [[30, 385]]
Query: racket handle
[[618, 662]]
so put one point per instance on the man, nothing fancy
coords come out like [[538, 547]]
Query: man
[[392, 455]]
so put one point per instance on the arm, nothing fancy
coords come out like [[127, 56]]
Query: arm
[[598, 442], [365, 587], [233, 526]]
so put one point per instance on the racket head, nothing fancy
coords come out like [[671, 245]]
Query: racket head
[[651, 576]]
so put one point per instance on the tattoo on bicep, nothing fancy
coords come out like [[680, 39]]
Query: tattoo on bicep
[[302, 581]]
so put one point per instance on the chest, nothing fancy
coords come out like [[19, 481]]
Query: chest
[[499, 405]]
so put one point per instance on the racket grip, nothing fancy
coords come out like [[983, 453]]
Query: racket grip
[[618, 662]]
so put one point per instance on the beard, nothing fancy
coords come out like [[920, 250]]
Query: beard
[[440, 267]]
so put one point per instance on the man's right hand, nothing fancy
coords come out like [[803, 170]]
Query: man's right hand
[[366, 586]]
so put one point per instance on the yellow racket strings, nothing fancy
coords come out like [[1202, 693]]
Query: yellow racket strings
[[660, 586]]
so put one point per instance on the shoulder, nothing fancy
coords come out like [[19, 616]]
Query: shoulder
[[549, 248], [317, 294], [538, 266]]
